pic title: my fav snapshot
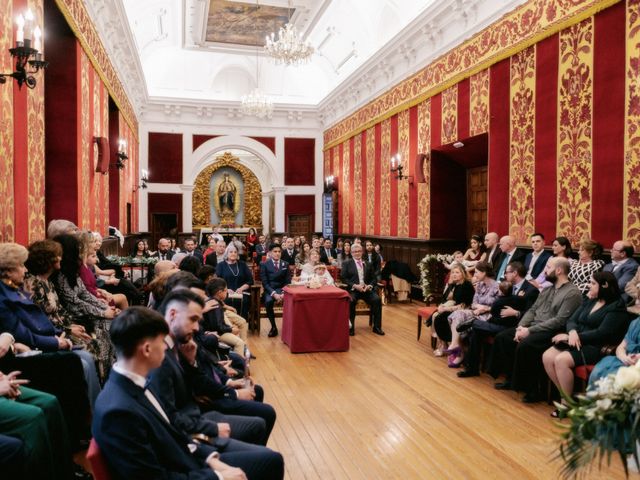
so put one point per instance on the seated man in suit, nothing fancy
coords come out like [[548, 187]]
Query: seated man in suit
[[327, 253], [493, 250], [164, 251], [517, 351], [191, 250], [505, 313], [361, 282], [509, 253], [217, 257], [289, 252], [132, 429], [181, 309], [535, 261], [623, 265], [261, 248], [275, 275]]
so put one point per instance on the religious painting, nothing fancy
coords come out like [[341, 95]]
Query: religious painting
[[243, 23]]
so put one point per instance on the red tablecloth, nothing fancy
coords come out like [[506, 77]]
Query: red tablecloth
[[315, 320]]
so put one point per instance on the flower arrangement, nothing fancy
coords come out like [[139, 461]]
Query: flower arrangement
[[426, 267], [602, 422], [123, 261]]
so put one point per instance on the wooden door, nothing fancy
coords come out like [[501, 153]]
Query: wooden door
[[299, 225], [476, 201], [161, 226]]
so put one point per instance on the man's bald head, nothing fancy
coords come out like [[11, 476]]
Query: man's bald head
[[491, 240], [507, 243]]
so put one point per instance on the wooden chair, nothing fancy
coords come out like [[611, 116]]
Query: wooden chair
[[98, 463], [424, 313]]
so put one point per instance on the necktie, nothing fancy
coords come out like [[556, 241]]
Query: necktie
[[515, 289], [503, 267], [276, 264]]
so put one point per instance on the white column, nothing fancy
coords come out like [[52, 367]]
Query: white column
[[279, 214], [143, 210], [319, 176], [143, 197], [265, 212], [187, 207]]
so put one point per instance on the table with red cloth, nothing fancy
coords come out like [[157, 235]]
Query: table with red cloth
[[315, 320]]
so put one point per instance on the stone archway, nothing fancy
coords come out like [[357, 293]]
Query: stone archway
[[201, 207]]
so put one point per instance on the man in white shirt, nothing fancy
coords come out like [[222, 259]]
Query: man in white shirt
[[130, 425], [535, 261]]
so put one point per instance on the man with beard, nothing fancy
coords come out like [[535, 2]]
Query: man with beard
[[517, 351], [182, 310]]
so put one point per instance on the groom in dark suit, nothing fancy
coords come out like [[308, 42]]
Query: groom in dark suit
[[132, 429], [275, 275], [361, 282]]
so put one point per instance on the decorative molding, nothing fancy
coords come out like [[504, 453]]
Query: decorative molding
[[525, 26]]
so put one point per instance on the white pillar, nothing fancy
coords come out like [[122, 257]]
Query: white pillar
[[265, 212], [187, 207], [279, 214]]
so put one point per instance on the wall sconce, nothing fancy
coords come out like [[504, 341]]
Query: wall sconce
[[144, 179], [23, 52], [330, 184], [121, 155], [397, 168]]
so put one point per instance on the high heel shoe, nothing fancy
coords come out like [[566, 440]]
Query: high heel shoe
[[454, 361], [453, 351]]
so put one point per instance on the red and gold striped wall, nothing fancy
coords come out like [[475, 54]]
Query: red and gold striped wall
[[23, 132], [562, 113]]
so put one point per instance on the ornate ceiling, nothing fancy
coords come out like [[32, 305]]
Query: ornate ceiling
[[198, 56]]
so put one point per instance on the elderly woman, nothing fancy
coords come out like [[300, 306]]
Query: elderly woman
[[457, 295], [28, 324], [87, 309], [586, 265], [313, 259], [239, 280], [480, 309], [601, 320]]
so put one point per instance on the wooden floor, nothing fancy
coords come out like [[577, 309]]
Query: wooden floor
[[389, 409]]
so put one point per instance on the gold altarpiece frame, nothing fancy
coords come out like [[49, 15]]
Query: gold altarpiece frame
[[201, 205]]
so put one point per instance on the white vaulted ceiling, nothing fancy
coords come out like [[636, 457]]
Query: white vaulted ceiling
[[362, 48]]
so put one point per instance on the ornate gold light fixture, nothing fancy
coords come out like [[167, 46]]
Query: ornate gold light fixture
[[288, 48]]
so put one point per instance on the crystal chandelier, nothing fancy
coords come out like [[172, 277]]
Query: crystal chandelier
[[256, 104], [288, 48]]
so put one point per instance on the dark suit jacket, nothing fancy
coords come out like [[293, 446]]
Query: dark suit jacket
[[349, 274], [323, 255], [198, 254], [493, 256], [540, 263], [521, 301], [137, 442], [261, 251], [290, 259], [273, 279], [518, 256], [374, 260], [624, 273], [169, 254], [169, 386]]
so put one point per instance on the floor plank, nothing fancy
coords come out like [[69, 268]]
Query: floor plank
[[389, 409]]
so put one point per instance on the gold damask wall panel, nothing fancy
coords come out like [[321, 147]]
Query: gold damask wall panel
[[6, 127], [632, 126], [357, 185], [346, 187], [424, 146], [84, 133], [35, 147], [385, 186], [104, 98], [201, 216], [522, 144], [526, 25], [479, 103], [96, 183], [449, 115], [371, 181], [403, 185], [575, 111]]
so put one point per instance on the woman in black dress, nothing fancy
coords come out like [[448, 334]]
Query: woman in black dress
[[239, 280]]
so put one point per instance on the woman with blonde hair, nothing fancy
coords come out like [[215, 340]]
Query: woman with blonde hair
[[587, 264]]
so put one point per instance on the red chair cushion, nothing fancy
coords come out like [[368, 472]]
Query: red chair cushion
[[97, 461], [583, 371], [426, 312]]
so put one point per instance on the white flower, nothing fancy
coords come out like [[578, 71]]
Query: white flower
[[604, 404], [628, 378]]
